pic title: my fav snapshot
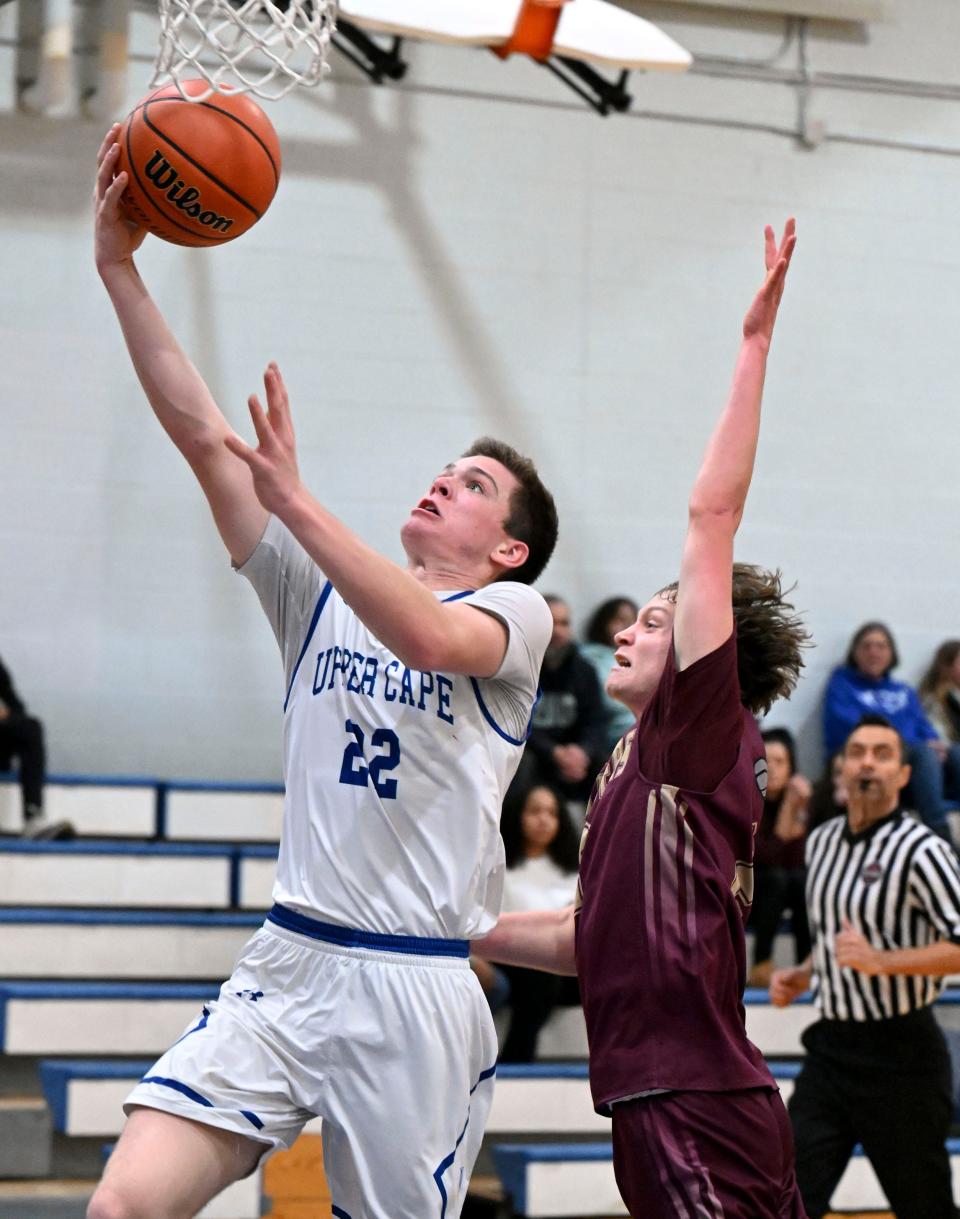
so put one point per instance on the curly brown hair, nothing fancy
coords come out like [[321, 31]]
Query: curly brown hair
[[770, 636]]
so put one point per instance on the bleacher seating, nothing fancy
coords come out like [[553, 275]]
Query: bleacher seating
[[551, 1180], [44, 943], [114, 807], [221, 812], [110, 944]]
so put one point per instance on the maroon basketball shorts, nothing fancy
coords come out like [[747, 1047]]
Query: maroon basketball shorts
[[706, 1155]]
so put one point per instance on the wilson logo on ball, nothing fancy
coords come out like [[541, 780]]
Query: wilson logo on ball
[[187, 198]]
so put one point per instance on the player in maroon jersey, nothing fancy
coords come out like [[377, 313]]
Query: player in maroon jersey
[[666, 879]]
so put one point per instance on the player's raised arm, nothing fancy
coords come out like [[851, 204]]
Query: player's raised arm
[[177, 393], [704, 618]]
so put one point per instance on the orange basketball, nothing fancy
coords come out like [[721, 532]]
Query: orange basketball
[[200, 173]]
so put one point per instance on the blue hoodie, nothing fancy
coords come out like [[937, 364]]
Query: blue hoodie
[[851, 695]]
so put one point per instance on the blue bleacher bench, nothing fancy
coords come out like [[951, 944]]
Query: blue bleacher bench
[[559, 1180]]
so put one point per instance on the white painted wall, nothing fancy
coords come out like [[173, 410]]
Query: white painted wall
[[476, 252]]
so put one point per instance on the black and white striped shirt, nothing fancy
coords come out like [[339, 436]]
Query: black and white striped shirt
[[898, 884]]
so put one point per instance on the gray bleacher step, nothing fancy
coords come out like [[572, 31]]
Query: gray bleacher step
[[73, 1158], [20, 1077], [45, 1199], [25, 1128]]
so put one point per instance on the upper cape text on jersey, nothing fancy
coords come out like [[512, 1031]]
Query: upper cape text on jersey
[[392, 681]]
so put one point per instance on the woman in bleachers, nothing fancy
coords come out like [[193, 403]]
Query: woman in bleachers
[[613, 615], [542, 848], [778, 869], [939, 691], [863, 686]]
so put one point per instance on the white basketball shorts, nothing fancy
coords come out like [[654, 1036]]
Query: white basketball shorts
[[393, 1047]]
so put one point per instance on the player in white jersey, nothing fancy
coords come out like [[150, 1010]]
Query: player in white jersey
[[408, 697]]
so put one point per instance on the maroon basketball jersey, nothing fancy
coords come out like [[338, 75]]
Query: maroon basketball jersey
[[666, 881]]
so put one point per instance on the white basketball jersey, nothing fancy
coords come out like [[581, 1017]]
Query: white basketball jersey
[[394, 777]]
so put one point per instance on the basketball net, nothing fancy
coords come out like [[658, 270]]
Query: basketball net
[[244, 46]]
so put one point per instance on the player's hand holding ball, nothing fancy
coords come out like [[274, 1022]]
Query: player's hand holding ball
[[116, 237]]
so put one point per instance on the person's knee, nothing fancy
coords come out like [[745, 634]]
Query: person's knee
[[112, 1203], [108, 1203]]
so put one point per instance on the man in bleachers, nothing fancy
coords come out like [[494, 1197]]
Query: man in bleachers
[[21, 739], [566, 746], [883, 900]]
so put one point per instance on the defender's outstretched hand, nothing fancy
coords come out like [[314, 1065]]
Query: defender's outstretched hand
[[115, 236], [762, 314], [273, 464]]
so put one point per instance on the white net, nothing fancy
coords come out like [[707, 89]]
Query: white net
[[246, 46]]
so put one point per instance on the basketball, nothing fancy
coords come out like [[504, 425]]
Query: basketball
[[200, 173]]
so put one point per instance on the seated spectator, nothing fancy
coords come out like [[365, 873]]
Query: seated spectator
[[542, 848], [613, 615], [939, 692], [829, 797], [565, 748], [863, 686], [21, 739], [779, 874]]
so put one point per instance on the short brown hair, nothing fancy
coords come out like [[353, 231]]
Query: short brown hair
[[770, 636], [532, 515], [877, 721]]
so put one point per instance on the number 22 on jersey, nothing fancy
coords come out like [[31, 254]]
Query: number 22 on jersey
[[360, 769]]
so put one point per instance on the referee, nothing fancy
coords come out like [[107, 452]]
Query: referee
[[883, 899]]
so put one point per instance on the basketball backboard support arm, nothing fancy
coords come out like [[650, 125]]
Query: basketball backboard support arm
[[380, 62], [599, 93], [366, 53]]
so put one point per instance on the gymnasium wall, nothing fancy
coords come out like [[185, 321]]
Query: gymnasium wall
[[478, 252]]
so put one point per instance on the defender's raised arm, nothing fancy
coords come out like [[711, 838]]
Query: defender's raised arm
[[704, 616]]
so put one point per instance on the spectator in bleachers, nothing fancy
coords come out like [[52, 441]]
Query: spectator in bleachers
[[861, 686], [778, 869], [542, 845], [613, 615], [566, 744], [21, 739], [829, 798], [883, 896], [939, 691]]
